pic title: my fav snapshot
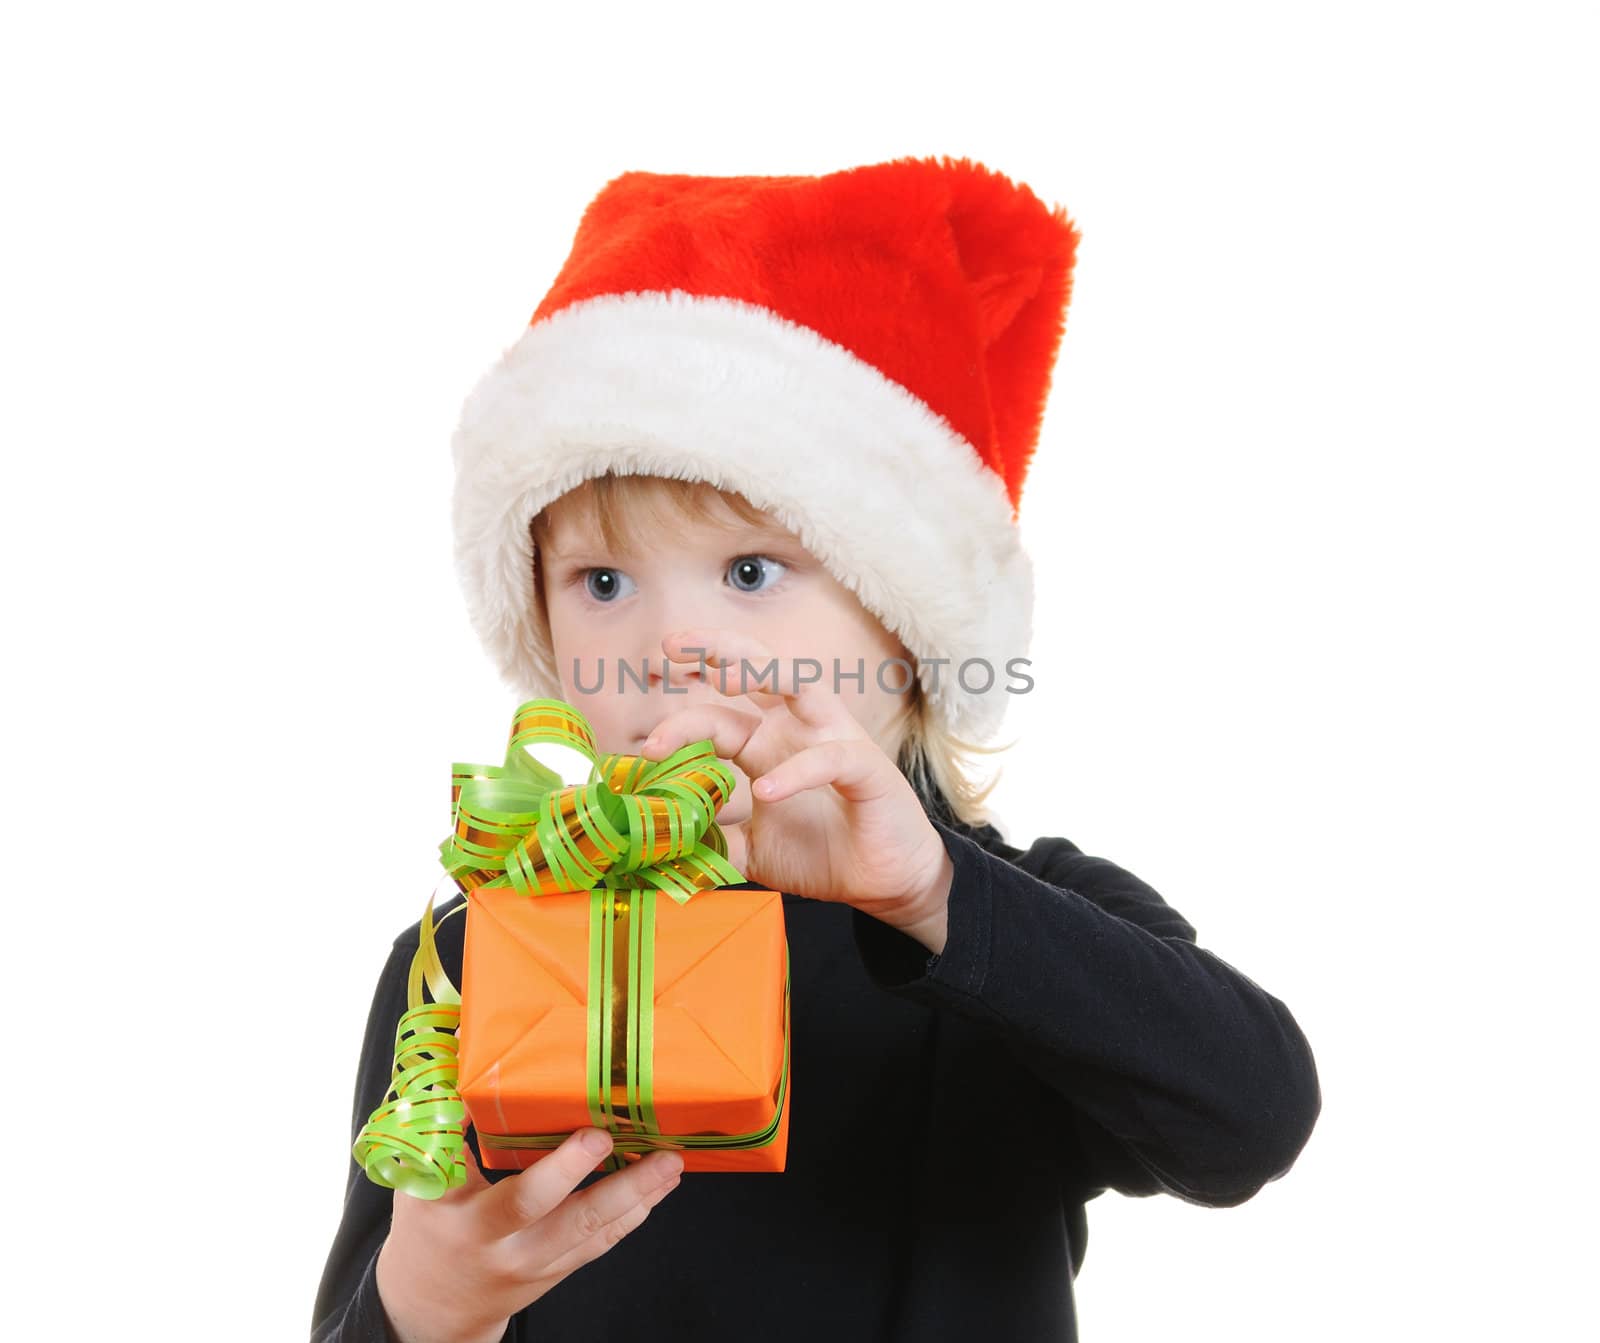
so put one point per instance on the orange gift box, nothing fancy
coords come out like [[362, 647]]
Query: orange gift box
[[697, 1016]]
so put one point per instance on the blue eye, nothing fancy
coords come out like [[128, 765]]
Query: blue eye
[[604, 584], [751, 569]]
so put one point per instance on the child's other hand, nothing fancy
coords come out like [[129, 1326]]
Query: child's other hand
[[457, 1268], [831, 817]]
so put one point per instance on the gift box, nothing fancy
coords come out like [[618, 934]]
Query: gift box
[[665, 1023], [618, 972]]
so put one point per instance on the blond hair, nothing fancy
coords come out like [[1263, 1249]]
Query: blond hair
[[930, 756]]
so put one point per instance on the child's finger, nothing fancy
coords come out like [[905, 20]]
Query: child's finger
[[726, 654], [732, 734], [590, 1223], [854, 766], [514, 1205]]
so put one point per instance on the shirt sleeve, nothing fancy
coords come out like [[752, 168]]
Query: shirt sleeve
[[1170, 1071], [348, 1309]]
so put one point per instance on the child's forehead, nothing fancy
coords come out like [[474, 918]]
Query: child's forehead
[[633, 518]]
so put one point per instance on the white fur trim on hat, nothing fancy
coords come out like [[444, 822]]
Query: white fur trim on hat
[[896, 505]]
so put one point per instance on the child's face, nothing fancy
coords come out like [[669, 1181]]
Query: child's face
[[717, 573]]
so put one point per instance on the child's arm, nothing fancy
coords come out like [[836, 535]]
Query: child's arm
[[1178, 1073], [347, 1306]]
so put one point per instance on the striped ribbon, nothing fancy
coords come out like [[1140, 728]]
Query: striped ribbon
[[638, 827]]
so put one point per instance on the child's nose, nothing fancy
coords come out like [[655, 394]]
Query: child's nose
[[675, 674]]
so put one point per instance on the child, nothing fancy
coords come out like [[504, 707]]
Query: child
[[760, 420]]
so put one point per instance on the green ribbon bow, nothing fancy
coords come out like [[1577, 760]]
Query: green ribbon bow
[[637, 826]]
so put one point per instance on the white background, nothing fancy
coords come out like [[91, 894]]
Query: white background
[[1312, 512]]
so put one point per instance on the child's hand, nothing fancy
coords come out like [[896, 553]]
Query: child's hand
[[831, 816], [457, 1268]]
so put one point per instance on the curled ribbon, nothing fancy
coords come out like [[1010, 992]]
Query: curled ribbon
[[636, 825]]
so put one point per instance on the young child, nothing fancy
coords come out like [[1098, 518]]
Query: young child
[[752, 474]]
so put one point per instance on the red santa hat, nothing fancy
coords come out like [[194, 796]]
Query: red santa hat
[[866, 354]]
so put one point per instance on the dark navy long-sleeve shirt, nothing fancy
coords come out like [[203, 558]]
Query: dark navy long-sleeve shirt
[[951, 1117]]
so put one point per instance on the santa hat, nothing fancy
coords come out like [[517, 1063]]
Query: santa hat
[[866, 354]]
